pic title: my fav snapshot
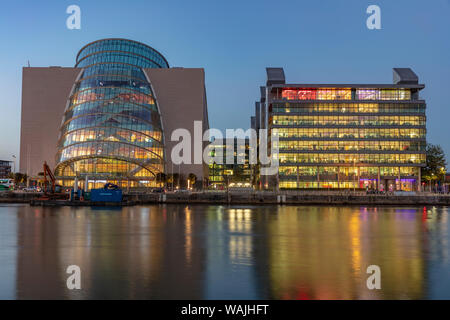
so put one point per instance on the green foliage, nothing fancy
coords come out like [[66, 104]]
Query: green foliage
[[192, 178], [435, 168], [183, 181], [238, 174], [161, 177], [175, 179], [18, 177]]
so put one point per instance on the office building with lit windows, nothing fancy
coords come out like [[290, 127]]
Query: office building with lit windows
[[5, 168], [345, 136], [237, 171], [110, 118]]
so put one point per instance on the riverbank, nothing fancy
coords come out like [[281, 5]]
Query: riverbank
[[249, 198], [317, 198]]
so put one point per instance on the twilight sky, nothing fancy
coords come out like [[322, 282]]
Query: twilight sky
[[315, 41]]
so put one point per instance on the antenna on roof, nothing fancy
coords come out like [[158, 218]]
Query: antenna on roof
[[28, 63]]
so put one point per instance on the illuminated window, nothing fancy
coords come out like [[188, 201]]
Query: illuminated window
[[383, 94], [299, 94], [334, 94]]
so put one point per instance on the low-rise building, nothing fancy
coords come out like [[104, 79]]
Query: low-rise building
[[5, 168], [234, 173]]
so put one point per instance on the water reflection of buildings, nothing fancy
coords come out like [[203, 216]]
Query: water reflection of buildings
[[218, 252], [230, 266], [436, 224], [136, 253], [323, 253], [39, 272]]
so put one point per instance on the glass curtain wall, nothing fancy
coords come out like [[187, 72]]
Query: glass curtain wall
[[111, 130]]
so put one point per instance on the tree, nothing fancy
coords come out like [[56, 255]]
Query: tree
[[24, 178], [170, 180], [238, 174], [198, 185], [161, 178], [175, 180], [435, 168], [182, 181], [256, 179], [18, 177], [192, 178], [273, 182]]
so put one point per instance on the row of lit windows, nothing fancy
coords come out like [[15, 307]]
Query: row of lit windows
[[226, 176], [353, 145], [216, 178], [215, 167], [349, 107], [317, 94], [224, 155], [243, 160], [147, 182], [218, 175], [405, 185], [111, 93], [236, 151], [110, 149], [141, 139], [121, 100], [383, 94], [349, 133], [345, 94], [350, 158], [109, 120], [321, 184], [109, 167], [348, 171], [349, 120], [119, 108]]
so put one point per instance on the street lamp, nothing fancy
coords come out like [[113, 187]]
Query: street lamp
[[14, 163], [431, 182], [444, 173]]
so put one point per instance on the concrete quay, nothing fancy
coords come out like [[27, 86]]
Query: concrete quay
[[251, 198]]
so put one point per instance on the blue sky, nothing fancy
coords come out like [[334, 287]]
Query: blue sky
[[315, 41]]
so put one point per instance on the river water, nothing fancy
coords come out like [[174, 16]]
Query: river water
[[224, 252]]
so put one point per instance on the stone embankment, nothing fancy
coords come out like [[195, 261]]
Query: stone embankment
[[251, 198], [294, 198]]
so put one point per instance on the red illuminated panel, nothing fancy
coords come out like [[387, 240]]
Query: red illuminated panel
[[289, 94], [299, 94], [306, 94], [136, 97], [85, 97]]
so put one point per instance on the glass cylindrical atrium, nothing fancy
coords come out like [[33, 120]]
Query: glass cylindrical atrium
[[111, 129]]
